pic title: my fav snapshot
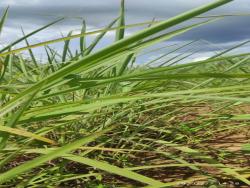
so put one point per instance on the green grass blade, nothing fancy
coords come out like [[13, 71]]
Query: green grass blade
[[121, 23], [14, 172], [30, 51], [82, 38], [3, 19], [28, 35], [66, 48], [98, 38]]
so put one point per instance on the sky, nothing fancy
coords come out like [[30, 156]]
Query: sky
[[32, 14]]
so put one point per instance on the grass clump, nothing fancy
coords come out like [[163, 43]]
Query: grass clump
[[93, 118]]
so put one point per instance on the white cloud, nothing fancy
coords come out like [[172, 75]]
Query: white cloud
[[200, 58], [19, 2]]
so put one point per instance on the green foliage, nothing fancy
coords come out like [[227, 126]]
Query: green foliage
[[95, 117]]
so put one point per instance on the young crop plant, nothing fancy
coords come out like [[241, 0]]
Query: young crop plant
[[92, 117]]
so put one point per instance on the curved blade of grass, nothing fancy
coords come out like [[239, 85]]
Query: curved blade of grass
[[121, 23], [50, 59], [224, 15], [30, 51], [114, 170], [82, 38], [4, 66], [3, 19], [66, 48], [25, 134], [14, 172], [28, 35], [124, 172], [98, 38], [23, 67]]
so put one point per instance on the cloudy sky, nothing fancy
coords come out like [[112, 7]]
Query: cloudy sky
[[32, 14]]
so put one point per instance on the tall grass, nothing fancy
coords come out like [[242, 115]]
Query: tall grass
[[92, 117]]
